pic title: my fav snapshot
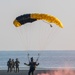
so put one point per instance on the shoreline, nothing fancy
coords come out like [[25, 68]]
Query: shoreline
[[21, 72], [41, 68], [39, 71]]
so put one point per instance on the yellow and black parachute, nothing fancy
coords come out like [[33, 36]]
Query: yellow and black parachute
[[29, 18]]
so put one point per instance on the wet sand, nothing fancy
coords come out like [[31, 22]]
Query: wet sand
[[50, 71], [21, 72]]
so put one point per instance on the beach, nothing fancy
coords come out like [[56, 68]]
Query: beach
[[41, 72], [21, 72], [51, 62]]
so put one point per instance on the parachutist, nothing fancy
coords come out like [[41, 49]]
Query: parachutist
[[32, 65]]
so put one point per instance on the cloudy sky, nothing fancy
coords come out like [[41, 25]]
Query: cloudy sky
[[38, 35]]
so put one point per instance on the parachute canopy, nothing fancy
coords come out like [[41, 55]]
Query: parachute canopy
[[29, 18]]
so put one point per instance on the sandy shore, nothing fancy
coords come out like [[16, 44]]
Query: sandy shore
[[41, 72], [21, 72]]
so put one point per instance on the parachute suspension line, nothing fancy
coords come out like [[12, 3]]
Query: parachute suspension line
[[20, 35], [28, 56], [30, 38], [40, 38], [50, 30], [27, 37], [57, 31], [44, 30], [37, 57], [46, 36], [46, 40], [23, 37], [50, 37]]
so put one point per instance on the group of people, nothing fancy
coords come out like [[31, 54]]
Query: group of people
[[13, 65]]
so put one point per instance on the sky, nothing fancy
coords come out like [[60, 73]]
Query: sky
[[37, 35]]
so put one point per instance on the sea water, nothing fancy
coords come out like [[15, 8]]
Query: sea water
[[47, 59]]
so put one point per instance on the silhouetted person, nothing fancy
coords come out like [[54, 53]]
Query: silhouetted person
[[9, 64], [17, 65], [13, 65], [32, 65]]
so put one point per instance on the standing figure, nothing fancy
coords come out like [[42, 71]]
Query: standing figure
[[13, 65], [17, 65], [32, 65], [9, 64]]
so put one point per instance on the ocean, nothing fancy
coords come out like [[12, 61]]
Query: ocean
[[47, 59]]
